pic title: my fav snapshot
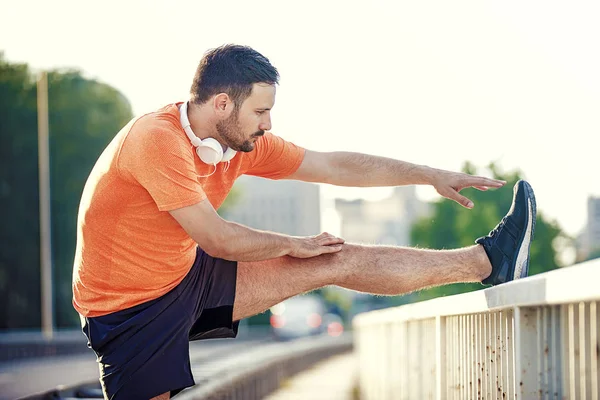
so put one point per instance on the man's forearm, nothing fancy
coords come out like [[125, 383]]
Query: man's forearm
[[229, 240], [241, 243], [356, 169]]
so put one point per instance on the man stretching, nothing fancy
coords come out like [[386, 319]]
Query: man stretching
[[156, 266]]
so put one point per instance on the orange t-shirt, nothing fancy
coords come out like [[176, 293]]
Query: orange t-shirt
[[129, 248]]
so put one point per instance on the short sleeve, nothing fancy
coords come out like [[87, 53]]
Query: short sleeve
[[274, 158], [162, 163]]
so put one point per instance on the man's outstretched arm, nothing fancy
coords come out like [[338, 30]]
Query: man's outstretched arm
[[363, 170]]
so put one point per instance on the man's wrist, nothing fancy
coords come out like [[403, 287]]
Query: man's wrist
[[425, 175], [290, 245]]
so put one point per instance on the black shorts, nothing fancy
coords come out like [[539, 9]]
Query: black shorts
[[143, 351]]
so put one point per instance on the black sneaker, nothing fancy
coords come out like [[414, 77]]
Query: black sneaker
[[507, 245]]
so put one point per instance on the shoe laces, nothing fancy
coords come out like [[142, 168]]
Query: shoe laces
[[498, 227]]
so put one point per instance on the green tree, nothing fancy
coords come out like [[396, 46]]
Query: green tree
[[19, 229], [84, 115], [452, 226]]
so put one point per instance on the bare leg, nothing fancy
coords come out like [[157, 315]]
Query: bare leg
[[372, 269], [164, 396]]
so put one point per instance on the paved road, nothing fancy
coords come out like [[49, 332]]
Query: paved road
[[330, 379], [21, 378], [27, 377]]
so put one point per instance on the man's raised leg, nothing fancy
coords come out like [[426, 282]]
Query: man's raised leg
[[381, 270], [501, 256]]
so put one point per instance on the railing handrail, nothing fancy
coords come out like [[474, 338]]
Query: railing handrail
[[530, 338], [576, 283]]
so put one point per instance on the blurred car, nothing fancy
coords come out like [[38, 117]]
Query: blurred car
[[298, 316], [333, 325]]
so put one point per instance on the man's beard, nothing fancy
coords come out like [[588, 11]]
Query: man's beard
[[229, 131]]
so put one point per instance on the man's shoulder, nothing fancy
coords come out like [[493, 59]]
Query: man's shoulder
[[165, 119], [156, 140], [268, 140], [271, 142], [162, 124]]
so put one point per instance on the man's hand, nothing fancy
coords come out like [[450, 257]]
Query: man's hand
[[305, 247], [449, 184]]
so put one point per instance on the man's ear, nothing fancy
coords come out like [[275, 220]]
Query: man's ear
[[223, 105]]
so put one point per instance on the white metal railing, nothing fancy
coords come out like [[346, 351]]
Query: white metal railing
[[535, 338]]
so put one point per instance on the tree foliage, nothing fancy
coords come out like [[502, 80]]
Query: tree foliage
[[452, 226], [84, 115]]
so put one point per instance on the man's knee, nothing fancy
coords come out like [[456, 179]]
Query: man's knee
[[164, 396]]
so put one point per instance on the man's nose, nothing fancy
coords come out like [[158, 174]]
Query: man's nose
[[265, 124]]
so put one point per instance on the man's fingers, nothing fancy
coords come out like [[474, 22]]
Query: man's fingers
[[463, 201], [327, 235], [488, 182], [331, 240], [461, 181], [331, 249], [480, 181], [460, 199]]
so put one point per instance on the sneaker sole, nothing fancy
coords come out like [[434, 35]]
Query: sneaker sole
[[522, 263]]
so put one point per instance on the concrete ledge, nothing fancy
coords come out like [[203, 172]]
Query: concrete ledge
[[256, 373]]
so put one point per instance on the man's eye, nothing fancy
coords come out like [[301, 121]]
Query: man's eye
[[260, 112]]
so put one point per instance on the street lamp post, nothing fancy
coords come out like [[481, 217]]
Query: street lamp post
[[45, 228]]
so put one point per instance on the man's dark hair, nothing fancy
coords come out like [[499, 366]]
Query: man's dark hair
[[231, 69]]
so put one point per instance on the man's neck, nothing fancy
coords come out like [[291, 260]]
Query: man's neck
[[202, 122]]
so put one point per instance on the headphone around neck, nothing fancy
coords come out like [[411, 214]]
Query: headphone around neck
[[209, 150]]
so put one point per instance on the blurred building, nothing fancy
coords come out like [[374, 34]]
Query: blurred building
[[588, 242], [285, 206], [387, 221]]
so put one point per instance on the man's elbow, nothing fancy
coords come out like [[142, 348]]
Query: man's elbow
[[218, 245], [332, 169]]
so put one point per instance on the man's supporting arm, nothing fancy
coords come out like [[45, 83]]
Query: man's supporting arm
[[232, 241]]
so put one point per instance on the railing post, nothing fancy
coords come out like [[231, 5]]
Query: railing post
[[385, 363], [526, 353], [440, 357]]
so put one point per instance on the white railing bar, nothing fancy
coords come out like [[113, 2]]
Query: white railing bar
[[583, 349], [571, 351], [594, 347]]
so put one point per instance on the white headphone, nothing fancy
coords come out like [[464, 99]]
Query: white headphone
[[209, 150]]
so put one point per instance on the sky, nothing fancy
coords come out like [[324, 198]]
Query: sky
[[430, 82]]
